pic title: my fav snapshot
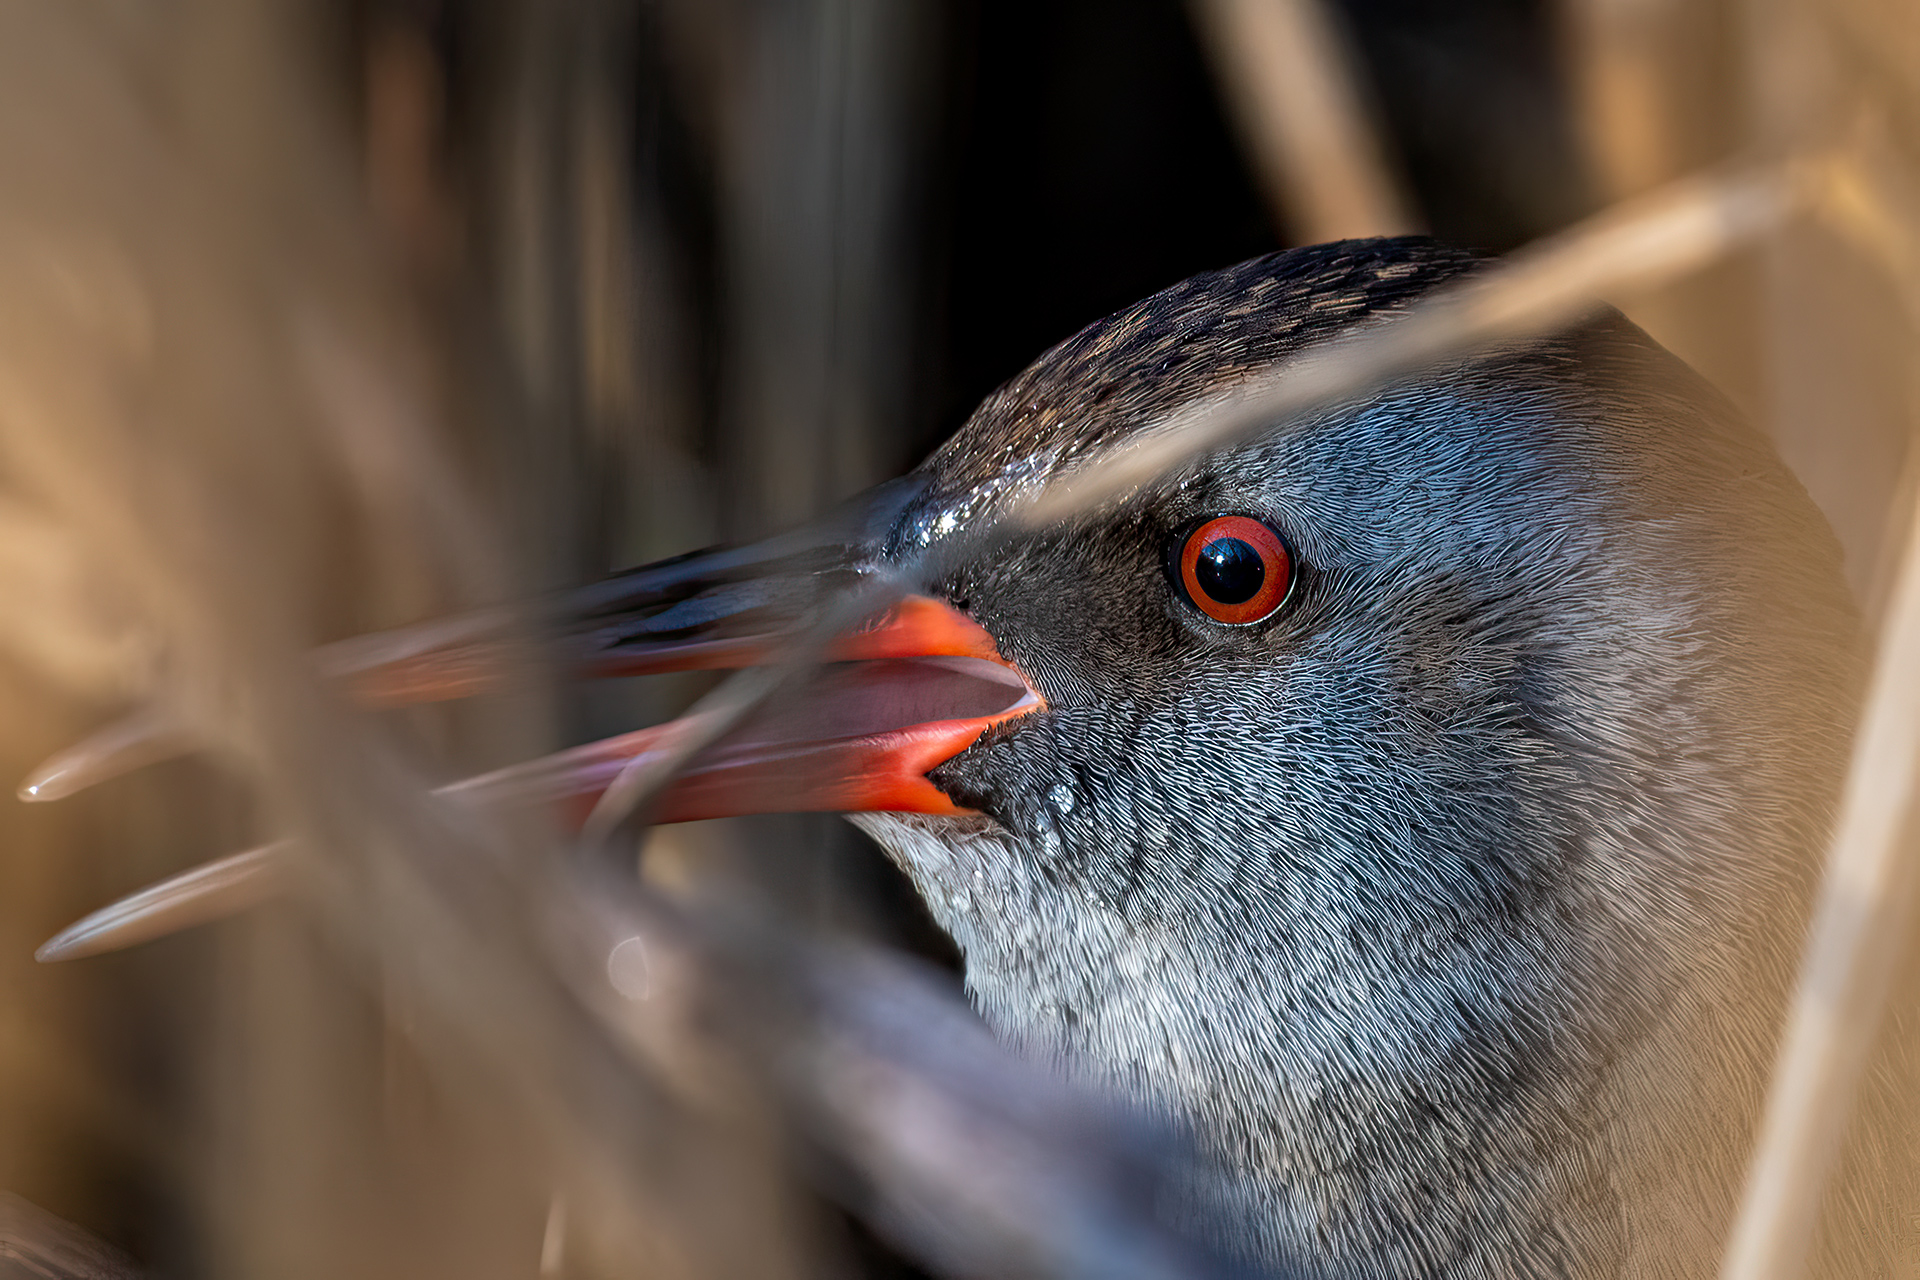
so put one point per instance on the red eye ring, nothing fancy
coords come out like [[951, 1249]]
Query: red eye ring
[[1235, 569]]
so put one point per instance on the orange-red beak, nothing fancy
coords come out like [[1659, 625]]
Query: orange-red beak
[[897, 696], [910, 690]]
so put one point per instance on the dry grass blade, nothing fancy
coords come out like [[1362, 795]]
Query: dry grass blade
[[210, 892], [1630, 247], [34, 1243], [721, 711], [146, 737], [1306, 120], [1865, 906]]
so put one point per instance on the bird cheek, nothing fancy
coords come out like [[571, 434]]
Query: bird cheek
[[993, 776], [961, 779]]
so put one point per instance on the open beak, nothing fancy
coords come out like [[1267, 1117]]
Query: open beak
[[894, 697], [910, 690]]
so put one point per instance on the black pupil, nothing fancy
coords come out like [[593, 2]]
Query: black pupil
[[1230, 571]]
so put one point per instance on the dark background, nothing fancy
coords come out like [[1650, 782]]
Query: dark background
[[1089, 162]]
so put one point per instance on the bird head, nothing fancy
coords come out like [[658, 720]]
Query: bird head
[[1425, 796]]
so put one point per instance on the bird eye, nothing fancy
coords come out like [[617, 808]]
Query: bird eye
[[1234, 569]]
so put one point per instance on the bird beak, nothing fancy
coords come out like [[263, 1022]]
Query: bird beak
[[906, 691], [895, 696]]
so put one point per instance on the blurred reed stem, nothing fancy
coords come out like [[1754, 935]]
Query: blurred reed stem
[[1308, 120]]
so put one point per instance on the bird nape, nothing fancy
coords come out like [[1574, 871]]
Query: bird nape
[[1418, 803]]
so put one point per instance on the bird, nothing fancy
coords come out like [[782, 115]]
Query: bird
[[1419, 806]]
